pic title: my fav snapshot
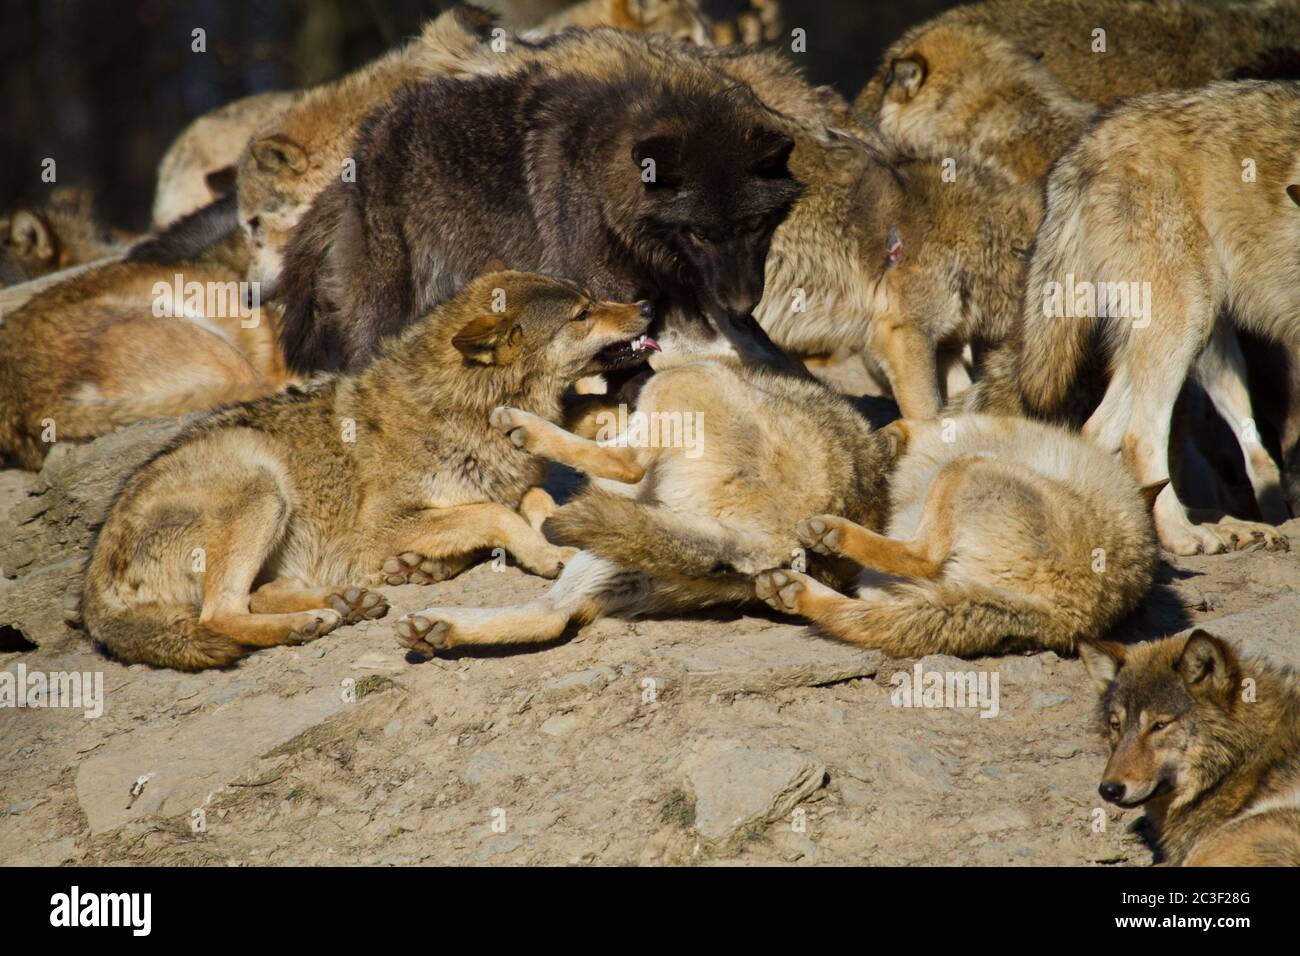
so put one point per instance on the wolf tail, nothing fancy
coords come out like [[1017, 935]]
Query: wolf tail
[[163, 635], [658, 541], [916, 619], [311, 342]]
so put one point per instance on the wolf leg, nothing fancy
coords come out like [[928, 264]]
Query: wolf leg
[[447, 536], [536, 506], [791, 592], [286, 595], [833, 535], [1221, 370], [540, 437], [589, 588], [910, 359]]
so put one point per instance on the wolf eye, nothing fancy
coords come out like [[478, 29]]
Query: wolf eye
[[582, 316], [1159, 725], [1114, 724], [698, 236]]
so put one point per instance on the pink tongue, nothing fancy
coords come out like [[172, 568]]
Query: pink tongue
[[649, 343]]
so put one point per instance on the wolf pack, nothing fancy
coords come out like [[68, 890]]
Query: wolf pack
[[1059, 234]]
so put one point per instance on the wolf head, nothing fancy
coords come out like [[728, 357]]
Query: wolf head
[[1170, 709], [538, 327], [702, 181]]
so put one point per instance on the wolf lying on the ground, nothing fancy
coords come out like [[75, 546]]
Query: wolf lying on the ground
[[1004, 535], [36, 241], [1053, 541], [1149, 250], [1207, 742], [262, 523], [128, 341]]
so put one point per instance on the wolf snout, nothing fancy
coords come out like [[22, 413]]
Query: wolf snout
[[1111, 791]]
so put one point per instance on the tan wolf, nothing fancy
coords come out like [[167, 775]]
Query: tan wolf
[[199, 166], [677, 526], [1102, 50], [1173, 211], [36, 241], [262, 524], [129, 341], [1208, 742]]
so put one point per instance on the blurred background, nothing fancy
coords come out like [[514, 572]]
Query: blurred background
[[103, 86]]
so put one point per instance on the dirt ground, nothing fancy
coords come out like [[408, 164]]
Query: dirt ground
[[732, 738]]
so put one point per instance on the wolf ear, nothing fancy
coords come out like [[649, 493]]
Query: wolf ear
[[221, 182], [1102, 660], [31, 236], [276, 152], [1294, 192], [1152, 491], [490, 340], [905, 77], [663, 169], [772, 151], [1207, 665]]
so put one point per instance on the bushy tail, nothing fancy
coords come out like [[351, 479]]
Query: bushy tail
[[996, 389], [159, 634], [309, 338], [659, 541], [914, 620], [83, 420]]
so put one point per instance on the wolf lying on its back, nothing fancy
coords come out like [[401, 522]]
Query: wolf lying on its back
[[667, 532], [658, 183], [1217, 769], [259, 525]]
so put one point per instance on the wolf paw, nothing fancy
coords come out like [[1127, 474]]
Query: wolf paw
[[357, 604], [821, 533], [318, 624], [551, 563], [411, 568], [1251, 536], [424, 635], [781, 589], [514, 424]]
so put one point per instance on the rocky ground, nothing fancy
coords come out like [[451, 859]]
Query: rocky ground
[[721, 739]]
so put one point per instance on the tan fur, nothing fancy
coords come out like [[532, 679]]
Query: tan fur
[[678, 19], [89, 355], [390, 473], [1004, 535], [210, 144], [669, 530], [1155, 194], [1151, 45], [1208, 742], [39, 241]]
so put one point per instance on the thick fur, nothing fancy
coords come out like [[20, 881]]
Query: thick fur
[[1208, 742], [667, 530], [209, 149], [542, 167], [89, 355], [1154, 193], [1151, 45], [344, 482], [38, 241], [1004, 535], [679, 19]]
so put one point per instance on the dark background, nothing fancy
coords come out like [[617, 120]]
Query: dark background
[[103, 86]]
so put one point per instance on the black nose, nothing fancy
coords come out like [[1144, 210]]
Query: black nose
[[647, 309], [1111, 791]]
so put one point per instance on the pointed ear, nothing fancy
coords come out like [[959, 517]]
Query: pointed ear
[[490, 340], [1207, 666], [31, 236], [905, 78], [221, 182], [276, 152], [772, 151], [1294, 192], [663, 171], [1102, 660]]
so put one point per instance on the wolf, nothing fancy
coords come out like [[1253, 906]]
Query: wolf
[[665, 529], [116, 345], [1208, 742], [264, 523], [669, 529], [199, 166], [40, 240], [1204, 227], [681, 20], [660, 183], [1101, 52]]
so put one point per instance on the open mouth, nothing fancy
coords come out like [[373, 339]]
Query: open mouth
[[623, 354]]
